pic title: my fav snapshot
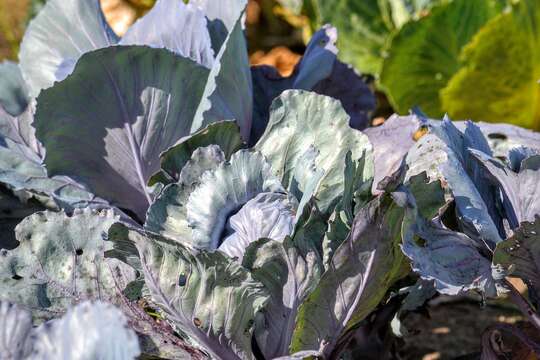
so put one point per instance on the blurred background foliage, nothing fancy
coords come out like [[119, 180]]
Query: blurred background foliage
[[471, 59], [275, 37]]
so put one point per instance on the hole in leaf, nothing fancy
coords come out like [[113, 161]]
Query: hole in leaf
[[448, 216], [79, 252], [16, 277], [419, 241], [197, 322], [182, 279], [497, 136]]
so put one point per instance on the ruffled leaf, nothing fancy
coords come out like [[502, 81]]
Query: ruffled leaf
[[17, 133], [451, 259], [207, 296], [391, 142], [290, 269], [225, 190], [301, 120], [21, 169], [444, 154], [266, 216], [60, 260], [226, 134], [361, 271], [356, 193], [196, 214], [504, 137], [168, 214], [519, 188]]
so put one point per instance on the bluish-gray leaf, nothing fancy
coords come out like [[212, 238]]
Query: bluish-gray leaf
[[338, 230], [202, 160], [307, 175], [361, 271], [173, 25], [167, 215], [22, 172], [108, 122], [13, 91], [90, 330], [226, 12], [60, 260], [451, 259], [322, 52], [18, 134], [226, 134], [268, 216], [228, 93], [207, 296], [196, 213], [15, 326], [301, 120], [356, 194], [224, 191], [517, 155], [519, 188], [430, 196], [444, 154], [503, 137], [391, 142], [62, 31], [290, 269]]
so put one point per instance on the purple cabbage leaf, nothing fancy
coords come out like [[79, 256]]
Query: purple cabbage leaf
[[320, 71]]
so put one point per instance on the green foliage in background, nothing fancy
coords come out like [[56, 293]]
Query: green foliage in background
[[425, 54], [365, 26], [500, 69], [470, 59]]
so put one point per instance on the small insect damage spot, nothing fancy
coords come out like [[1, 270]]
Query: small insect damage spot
[[497, 136], [182, 280]]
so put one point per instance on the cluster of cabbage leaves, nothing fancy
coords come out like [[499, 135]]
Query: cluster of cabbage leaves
[[161, 198], [471, 59]]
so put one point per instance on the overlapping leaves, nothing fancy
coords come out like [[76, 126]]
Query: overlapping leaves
[[237, 252]]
